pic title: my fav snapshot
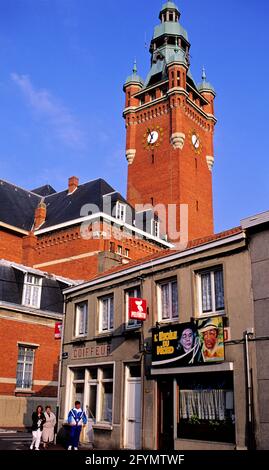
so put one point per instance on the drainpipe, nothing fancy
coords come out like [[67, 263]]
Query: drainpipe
[[249, 332], [60, 370]]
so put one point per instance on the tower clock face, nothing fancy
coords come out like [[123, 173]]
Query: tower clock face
[[195, 141], [153, 137]]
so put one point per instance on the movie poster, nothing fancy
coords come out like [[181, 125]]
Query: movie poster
[[188, 344]]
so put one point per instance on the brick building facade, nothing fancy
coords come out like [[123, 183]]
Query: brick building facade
[[31, 309]]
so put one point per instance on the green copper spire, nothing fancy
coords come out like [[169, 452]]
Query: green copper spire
[[134, 78], [205, 86]]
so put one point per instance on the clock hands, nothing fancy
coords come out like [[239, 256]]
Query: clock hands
[[150, 134]]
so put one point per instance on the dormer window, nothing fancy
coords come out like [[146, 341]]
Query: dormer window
[[121, 211], [32, 291], [155, 228]]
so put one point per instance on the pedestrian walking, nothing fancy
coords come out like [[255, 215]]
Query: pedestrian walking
[[48, 427], [76, 419], [38, 420]]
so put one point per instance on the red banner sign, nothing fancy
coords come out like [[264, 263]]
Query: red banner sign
[[58, 330], [137, 309]]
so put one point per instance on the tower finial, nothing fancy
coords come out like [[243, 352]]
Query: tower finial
[[203, 74], [135, 68]]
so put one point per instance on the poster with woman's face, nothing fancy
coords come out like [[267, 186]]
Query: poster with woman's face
[[188, 344], [176, 345]]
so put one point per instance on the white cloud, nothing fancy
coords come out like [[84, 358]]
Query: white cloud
[[56, 115]]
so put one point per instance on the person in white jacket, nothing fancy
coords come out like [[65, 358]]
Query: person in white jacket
[[48, 427], [76, 419]]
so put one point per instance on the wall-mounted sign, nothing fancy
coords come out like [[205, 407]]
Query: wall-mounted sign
[[58, 330], [227, 334], [137, 309], [188, 344], [101, 350]]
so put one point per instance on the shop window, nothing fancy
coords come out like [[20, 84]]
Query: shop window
[[100, 400], [168, 301], [206, 408], [81, 319], [25, 363], [131, 293], [78, 393], [106, 314], [32, 291], [210, 291]]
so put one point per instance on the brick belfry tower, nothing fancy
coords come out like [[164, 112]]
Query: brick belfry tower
[[169, 129]]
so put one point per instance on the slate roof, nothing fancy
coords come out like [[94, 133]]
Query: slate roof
[[17, 205], [45, 190]]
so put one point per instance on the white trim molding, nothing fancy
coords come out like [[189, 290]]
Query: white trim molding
[[178, 140], [130, 155], [210, 162], [225, 366]]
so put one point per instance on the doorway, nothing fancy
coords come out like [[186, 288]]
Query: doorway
[[166, 415], [132, 418]]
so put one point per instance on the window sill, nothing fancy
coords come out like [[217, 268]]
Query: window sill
[[27, 391], [79, 339], [104, 335], [36, 307], [104, 426], [221, 313], [132, 329], [168, 322]]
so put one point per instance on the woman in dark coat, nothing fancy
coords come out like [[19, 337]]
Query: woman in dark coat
[[38, 419]]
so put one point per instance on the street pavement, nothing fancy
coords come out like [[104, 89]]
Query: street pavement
[[20, 440]]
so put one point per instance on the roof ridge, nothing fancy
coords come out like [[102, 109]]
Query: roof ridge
[[19, 187], [82, 184]]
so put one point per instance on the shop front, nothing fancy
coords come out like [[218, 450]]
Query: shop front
[[195, 405]]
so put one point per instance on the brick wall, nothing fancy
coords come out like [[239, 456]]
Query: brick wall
[[10, 246], [46, 358], [168, 175]]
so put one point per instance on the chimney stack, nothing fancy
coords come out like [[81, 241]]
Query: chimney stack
[[40, 215], [72, 184]]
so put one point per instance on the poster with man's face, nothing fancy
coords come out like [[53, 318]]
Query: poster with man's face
[[211, 338]]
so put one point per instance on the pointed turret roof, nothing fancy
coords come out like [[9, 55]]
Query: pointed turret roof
[[134, 78]]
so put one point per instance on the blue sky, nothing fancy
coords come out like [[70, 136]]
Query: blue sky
[[62, 67]]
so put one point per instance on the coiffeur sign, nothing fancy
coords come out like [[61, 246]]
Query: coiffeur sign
[[137, 309], [188, 344], [101, 350]]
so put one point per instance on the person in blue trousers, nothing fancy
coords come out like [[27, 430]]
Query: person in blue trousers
[[76, 418]]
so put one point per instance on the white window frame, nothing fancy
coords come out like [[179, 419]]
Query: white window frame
[[100, 387], [210, 271], [159, 301], [155, 228], [121, 211], [101, 306], [24, 362], [119, 250], [88, 381], [78, 313], [32, 286], [129, 323]]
